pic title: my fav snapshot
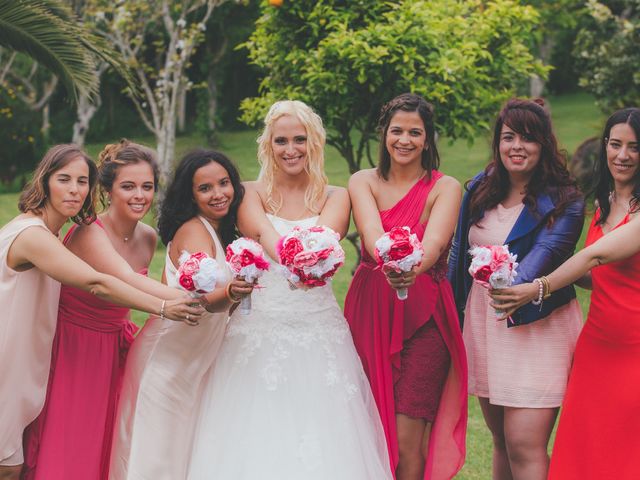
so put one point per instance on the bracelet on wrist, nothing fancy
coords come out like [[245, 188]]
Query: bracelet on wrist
[[229, 295], [547, 287], [538, 301], [162, 317]]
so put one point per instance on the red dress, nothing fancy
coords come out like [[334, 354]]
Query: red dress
[[598, 433], [383, 326], [71, 439]]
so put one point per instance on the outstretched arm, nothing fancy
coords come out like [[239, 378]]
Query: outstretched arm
[[253, 221], [365, 210], [617, 245], [40, 248], [336, 211]]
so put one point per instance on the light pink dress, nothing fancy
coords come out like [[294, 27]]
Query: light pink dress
[[161, 390], [29, 301], [525, 366]]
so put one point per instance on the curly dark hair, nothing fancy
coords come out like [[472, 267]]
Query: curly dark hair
[[602, 178], [178, 205], [526, 117], [407, 102]]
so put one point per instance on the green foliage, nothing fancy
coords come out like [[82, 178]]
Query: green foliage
[[607, 53], [347, 58], [19, 136], [49, 32]]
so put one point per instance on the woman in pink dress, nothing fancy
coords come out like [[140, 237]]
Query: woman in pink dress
[[167, 362], [597, 434], [72, 436], [411, 349], [34, 262], [518, 369]]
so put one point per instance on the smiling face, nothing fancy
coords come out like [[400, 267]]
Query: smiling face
[[289, 145], [622, 155], [519, 153], [212, 192], [68, 188], [406, 138], [133, 189]]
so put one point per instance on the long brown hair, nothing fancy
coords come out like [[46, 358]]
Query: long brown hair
[[526, 117], [407, 102], [35, 193]]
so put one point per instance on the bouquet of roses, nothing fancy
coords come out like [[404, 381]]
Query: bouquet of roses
[[399, 250], [310, 255], [198, 273], [245, 258], [493, 266]]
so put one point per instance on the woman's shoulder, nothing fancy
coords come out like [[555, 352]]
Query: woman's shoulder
[[149, 234], [189, 229]]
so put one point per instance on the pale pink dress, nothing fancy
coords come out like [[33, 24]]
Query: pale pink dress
[[29, 302], [525, 366], [161, 390]]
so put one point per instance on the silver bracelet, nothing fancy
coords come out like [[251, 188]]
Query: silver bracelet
[[162, 317]]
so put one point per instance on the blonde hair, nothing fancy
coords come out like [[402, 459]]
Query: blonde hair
[[316, 137]]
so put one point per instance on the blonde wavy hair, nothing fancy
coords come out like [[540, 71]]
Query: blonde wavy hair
[[314, 167]]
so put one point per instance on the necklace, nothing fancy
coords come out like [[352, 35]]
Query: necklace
[[125, 238]]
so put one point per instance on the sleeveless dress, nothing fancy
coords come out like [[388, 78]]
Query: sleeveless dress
[[161, 390], [597, 436], [71, 438], [29, 302], [525, 366], [385, 328], [288, 399]]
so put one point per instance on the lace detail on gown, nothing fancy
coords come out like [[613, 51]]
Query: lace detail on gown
[[288, 398]]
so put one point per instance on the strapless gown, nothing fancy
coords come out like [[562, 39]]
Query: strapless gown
[[288, 398]]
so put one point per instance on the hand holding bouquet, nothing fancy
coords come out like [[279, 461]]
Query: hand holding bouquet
[[198, 274], [310, 255], [399, 250], [493, 266], [245, 258]]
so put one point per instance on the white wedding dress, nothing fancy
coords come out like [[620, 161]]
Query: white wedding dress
[[288, 398]]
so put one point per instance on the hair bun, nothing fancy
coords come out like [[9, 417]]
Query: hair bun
[[110, 152], [539, 101]]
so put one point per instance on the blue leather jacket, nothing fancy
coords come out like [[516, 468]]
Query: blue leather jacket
[[540, 251]]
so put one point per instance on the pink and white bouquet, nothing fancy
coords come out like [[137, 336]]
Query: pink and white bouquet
[[245, 258], [310, 256], [493, 266], [198, 273], [399, 250]]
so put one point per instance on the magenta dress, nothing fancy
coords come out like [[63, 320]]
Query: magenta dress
[[385, 329], [71, 439]]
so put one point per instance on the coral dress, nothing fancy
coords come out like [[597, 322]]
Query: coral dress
[[288, 399], [29, 302], [71, 439], [162, 387], [525, 366], [598, 435], [383, 327]]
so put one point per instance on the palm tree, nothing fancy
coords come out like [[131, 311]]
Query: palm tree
[[50, 33]]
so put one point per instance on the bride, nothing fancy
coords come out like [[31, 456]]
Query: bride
[[288, 398]]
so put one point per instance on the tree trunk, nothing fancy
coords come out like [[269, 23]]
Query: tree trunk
[[537, 84], [84, 113], [182, 108], [212, 87], [46, 123]]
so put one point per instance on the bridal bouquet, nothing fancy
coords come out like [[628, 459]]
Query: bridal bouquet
[[310, 255], [493, 266], [399, 250], [245, 258], [198, 273]]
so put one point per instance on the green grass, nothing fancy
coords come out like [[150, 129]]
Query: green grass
[[576, 118]]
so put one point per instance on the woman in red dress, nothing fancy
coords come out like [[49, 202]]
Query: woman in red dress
[[411, 350], [599, 424]]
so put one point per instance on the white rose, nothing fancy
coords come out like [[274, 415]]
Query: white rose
[[207, 275]]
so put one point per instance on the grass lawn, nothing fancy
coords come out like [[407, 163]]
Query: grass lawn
[[576, 118]]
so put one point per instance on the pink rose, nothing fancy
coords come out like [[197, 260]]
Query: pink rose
[[482, 274], [305, 259], [289, 250], [398, 233], [400, 249], [190, 267], [186, 282]]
